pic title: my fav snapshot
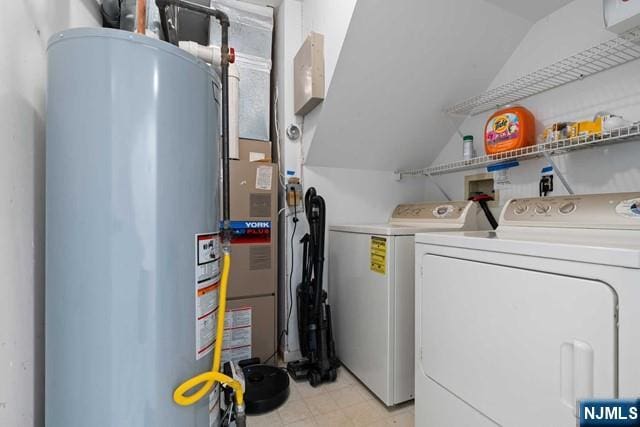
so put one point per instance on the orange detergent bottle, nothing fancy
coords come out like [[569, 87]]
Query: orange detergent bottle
[[508, 129]]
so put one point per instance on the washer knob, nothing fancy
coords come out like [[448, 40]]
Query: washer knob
[[521, 209], [542, 209], [442, 211], [567, 208]]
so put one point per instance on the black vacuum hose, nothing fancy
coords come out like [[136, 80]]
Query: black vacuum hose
[[319, 267]]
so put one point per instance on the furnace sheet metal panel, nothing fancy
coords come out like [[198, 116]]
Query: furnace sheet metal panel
[[131, 178]]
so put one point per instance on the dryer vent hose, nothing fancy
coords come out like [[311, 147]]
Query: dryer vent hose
[[482, 200]]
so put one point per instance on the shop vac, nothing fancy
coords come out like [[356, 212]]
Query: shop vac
[[319, 363]]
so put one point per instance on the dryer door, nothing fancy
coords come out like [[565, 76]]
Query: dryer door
[[519, 346]]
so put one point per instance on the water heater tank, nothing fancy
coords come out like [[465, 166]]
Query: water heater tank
[[132, 172]]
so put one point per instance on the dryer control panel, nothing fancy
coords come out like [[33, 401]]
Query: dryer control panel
[[429, 211], [607, 211]]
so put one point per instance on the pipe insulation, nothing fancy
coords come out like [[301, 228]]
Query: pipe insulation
[[212, 56]]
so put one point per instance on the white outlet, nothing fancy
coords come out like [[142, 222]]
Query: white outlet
[[621, 15]]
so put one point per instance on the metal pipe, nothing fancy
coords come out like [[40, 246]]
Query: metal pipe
[[165, 25], [130, 15], [226, 210], [110, 10], [141, 16], [211, 55], [223, 19]]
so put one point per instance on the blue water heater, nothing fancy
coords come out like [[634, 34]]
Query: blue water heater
[[132, 172]]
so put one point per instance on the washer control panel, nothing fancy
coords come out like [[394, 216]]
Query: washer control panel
[[616, 210], [416, 212]]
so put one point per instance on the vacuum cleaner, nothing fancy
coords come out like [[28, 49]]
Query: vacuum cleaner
[[319, 363]]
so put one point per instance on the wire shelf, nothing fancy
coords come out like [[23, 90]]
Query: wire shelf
[[620, 50], [549, 148]]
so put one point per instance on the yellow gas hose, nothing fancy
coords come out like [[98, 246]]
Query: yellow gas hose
[[209, 379]]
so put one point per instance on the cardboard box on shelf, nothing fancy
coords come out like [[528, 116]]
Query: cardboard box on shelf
[[255, 151]]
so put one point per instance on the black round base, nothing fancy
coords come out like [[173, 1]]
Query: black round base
[[267, 387]]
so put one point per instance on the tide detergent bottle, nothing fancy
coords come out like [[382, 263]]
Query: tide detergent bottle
[[508, 129]]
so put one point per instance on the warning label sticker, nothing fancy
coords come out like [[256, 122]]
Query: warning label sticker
[[378, 254], [237, 335], [237, 318], [207, 288], [236, 354], [205, 335], [207, 300], [207, 256], [264, 177]]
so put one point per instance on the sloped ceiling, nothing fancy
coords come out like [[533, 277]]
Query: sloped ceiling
[[531, 10], [402, 61], [272, 3]]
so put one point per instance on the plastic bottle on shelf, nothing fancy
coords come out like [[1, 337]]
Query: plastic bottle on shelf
[[468, 151]]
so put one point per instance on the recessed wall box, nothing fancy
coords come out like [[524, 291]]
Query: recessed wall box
[[309, 74], [481, 183], [621, 15]]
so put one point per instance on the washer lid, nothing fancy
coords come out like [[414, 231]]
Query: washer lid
[[607, 247]]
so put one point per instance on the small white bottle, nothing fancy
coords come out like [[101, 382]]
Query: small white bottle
[[468, 152]]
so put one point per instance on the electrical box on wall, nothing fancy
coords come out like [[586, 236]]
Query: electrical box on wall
[[621, 15], [308, 74]]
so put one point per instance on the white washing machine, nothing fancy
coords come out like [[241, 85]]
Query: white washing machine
[[371, 292], [514, 326]]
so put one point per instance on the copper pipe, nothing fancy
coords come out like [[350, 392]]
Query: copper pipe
[[141, 16]]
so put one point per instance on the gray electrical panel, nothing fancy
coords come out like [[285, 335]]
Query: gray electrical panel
[[132, 169]]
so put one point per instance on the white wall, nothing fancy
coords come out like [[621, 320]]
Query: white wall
[[360, 196], [330, 18], [351, 195], [295, 19], [401, 62], [608, 169], [287, 39], [25, 27]]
